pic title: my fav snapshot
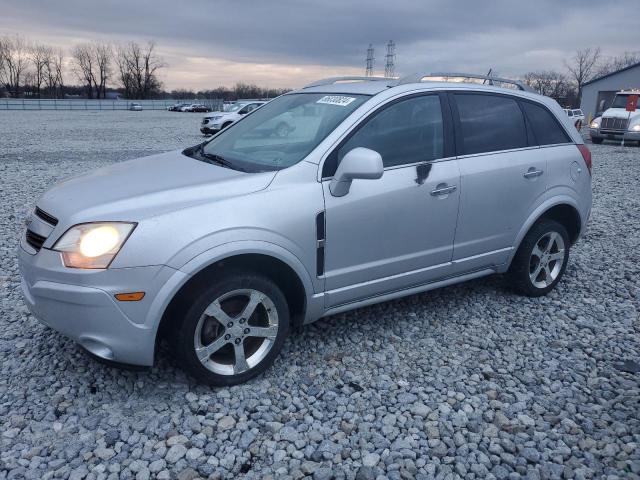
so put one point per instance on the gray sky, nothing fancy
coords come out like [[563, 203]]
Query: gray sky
[[284, 43]]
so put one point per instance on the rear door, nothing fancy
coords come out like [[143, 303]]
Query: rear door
[[395, 232], [503, 174]]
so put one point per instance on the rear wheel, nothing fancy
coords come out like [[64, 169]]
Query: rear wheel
[[233, 330], [541, 259]]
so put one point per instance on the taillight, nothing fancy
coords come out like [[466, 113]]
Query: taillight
[[586, 156]]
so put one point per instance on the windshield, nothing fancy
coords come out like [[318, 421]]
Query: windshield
[[621, 101], [282, 132]]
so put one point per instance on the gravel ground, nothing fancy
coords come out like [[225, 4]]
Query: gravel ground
[[468, 381]]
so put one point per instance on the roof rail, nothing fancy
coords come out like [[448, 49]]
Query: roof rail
[[418, 77], [332, 80]]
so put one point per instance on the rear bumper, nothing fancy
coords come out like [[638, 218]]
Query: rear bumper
[[81, 305]]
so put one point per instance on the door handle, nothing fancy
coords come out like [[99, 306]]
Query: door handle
[[532, 173], [443, 189]]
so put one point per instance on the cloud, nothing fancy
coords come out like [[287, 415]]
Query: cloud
[[287, 42]]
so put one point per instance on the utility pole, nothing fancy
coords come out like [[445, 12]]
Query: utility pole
[[390, 65], [370, 61]]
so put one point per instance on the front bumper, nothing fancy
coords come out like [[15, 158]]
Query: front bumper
[[614, 135], [81, 305], [209, 129]]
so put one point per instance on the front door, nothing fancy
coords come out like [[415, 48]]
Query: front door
[[395, 232]]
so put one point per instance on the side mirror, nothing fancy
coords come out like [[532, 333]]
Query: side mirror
[[360, 162]]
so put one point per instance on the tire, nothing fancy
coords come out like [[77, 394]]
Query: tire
[[226, 125], [597, 141], [224, 331], [527, 273]]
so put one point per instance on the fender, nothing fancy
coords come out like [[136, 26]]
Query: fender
[[561, 199], [315, 303]]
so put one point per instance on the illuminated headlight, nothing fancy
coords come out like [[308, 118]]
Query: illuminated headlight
[[93, 245], [635, 128], [595, 124]]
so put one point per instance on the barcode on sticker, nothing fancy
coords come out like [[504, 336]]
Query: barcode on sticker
[[340, 100]]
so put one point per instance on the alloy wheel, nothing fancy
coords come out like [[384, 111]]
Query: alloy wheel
[[547, 258], [236, 331]]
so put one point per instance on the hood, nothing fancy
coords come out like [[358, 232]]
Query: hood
[[146, 187], [619, 113]]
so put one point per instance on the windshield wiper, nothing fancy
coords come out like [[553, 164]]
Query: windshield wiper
[[220, 160]]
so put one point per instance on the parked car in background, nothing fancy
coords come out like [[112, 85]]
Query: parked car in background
[[177, 106], [576, 116], [388, 188], [219, 120], [135, 107], [616, 122], [195, 107]]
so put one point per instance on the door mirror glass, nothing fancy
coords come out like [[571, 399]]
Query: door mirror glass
[[359, 163]]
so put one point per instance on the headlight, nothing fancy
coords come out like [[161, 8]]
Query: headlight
[[635, 128], [93, 245], [595, 124]]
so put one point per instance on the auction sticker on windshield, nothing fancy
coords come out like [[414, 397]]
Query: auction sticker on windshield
[[340, 100]]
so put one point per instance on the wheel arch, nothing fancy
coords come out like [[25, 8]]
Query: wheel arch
[[290, 277], [565, 211]]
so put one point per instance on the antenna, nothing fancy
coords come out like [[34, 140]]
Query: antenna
[[370, 62], [390, 66]]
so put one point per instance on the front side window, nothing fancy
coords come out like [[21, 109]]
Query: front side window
[[546, 129], [281, 133], [406, 132], [490, 123]]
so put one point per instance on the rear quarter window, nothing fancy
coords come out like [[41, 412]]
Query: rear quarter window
[[546, 128], [489, 123]]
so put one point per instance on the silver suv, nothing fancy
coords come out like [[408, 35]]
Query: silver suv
[[383, 188]]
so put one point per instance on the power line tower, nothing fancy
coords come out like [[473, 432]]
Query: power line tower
[[370, 61], [390, 65]]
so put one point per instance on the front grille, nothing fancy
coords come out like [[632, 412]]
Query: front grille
[[34, 240], [50, 219], [610, 123]]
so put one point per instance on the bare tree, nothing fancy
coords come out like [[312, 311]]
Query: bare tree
[[14, 63], [125, 75], [54, 71], [83, 66], [137, 70], [613, 64], [582, 67], [102, 53], [39, 55], [551, 84]]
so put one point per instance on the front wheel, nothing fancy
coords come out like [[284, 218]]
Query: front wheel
[[597, 141], [541, 259], [233, 330]]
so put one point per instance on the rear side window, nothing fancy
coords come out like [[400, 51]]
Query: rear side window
[[406, 132], [545, 127], [490, 123]]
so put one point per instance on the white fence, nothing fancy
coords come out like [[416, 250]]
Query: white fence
[[83, 104]]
